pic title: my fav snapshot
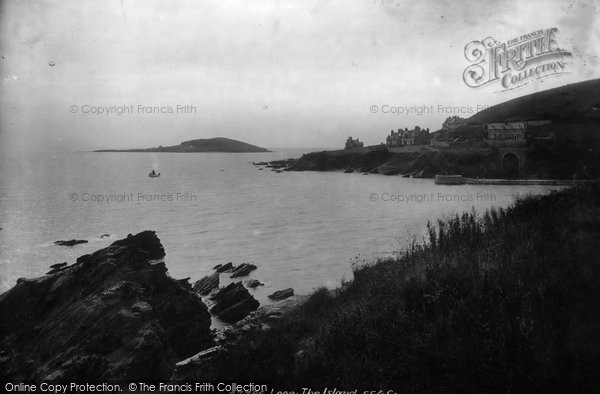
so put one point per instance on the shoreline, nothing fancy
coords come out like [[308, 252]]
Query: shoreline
[[444, 298], [460, 180], [481, 166], [490, 303], [525, 181]]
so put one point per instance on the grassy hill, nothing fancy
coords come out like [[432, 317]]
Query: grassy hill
[[575, 114], [579, 102], [573, 109]]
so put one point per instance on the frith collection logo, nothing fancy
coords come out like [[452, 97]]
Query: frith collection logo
[[514, 63]]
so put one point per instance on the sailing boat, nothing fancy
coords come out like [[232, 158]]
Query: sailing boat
[[154, 174]]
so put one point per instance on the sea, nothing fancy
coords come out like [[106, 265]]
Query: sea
[[303, 230]]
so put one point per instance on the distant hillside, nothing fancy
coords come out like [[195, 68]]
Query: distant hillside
[[219, 144], [573, 109], [579, 102]]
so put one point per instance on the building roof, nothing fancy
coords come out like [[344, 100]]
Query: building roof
[[506, 126]]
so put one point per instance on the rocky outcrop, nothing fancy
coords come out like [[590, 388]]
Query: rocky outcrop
[[253, 283], [203, 355], [281, 294], [207, 284], [113, 315], [236, 272], [185, 282], [54, 268], [242, 270], [71, 242], [207, 365], [58, 265], [224, 268], [233, 303], [262, 318]]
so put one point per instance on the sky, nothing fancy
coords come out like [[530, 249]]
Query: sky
[[272, 73]]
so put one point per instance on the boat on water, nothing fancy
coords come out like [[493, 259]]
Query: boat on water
[[154, 174]]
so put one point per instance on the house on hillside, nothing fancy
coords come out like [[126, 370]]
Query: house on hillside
[[416, 136], [505, 133], [353, 143], [452, 123]]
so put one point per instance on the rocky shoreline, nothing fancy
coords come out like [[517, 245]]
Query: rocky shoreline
[[498, 302], [379, 160], [116, 314], [495, 302], [543, 162]]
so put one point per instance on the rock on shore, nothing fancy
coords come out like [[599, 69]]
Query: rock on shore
[[253, 283], [113, 315], [207, 284], [281, 294], [242, 270], [71, 242], [233, 303], [206, 364], [224, 268]]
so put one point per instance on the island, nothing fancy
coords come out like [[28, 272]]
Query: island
[[219, 144]]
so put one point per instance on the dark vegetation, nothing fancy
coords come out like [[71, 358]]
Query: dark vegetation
[[574, 154], [500, 302], [469, 163]]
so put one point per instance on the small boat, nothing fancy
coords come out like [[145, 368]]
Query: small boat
[[154, 174]]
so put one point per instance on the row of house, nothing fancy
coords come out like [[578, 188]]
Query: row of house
[[512, 133], [498, 134], [416, 136]]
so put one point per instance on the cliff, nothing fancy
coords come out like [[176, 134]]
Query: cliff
[[113, 315], [219, 144], [424, 164], [569, 159]]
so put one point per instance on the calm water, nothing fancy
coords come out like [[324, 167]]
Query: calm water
[[302, 229]]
